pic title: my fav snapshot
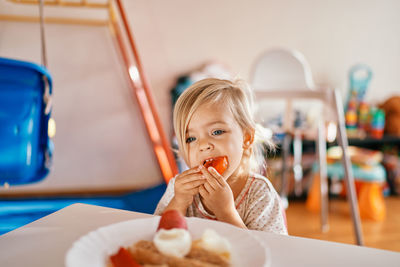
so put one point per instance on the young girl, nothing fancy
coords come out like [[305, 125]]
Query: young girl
[[213, 118]]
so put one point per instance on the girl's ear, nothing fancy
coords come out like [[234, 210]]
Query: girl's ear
[[248, 139]]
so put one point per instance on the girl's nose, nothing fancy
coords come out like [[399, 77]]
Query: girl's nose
[[205, 145]]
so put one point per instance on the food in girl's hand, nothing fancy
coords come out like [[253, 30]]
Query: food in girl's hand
[[220, 164], [172, 219], [172, 246]]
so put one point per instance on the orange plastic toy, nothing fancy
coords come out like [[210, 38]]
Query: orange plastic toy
[[369, 194], [371, 202]]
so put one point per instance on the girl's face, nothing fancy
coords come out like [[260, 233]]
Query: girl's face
[[213, 132]]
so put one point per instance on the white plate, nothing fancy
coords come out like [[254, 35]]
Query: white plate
[[94, 248]]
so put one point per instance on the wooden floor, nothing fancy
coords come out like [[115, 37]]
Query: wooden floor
[[382, 235]]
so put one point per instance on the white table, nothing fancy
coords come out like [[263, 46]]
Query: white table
[[45, 242]]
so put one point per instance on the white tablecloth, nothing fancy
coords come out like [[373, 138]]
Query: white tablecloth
[[45, 242]]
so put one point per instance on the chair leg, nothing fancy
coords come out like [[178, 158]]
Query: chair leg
[[323, 176], [351, 193], [285, 159], [297, 168]]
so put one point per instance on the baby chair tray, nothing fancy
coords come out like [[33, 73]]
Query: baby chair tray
[[25, 147]]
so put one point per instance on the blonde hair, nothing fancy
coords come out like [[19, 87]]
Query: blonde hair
[[235, 94]]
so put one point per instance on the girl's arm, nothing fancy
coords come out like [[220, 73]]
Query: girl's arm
[[231, 217], [175, 205], [166, 198]]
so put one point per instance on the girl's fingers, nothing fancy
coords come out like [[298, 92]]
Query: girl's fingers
[[194, 184], [188, 172], [218, 177], [202, 191], [208, 187], [191, 178], [189, 190], [194, 191], [210, 178]]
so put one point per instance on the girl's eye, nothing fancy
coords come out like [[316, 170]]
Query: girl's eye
[[218, 132], [190, 139]]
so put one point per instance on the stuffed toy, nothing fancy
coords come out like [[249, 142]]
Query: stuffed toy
[[392, 115]]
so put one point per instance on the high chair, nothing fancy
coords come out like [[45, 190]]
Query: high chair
[[285, 74], [282, 69]]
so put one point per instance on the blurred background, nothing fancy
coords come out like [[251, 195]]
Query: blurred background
[[102, 147]]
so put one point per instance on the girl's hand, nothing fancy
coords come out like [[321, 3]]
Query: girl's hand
[[218, 197], [217, 194], [186, 187]]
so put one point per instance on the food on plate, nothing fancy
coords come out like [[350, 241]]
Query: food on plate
[[173, 242], [172, 219], [123, 259], [220, 164], [146, 253], [212, 241], [172, 245]]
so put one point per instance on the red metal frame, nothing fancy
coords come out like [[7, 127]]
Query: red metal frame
[[140, 86]]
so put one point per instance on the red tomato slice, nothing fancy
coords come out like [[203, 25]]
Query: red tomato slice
[[172, 219], [220, 164], [123, 259]]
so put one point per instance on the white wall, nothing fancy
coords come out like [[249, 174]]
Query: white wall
[[333, 35], [101, 142]]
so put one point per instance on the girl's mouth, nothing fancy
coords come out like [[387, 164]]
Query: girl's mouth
[[208, 161]]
